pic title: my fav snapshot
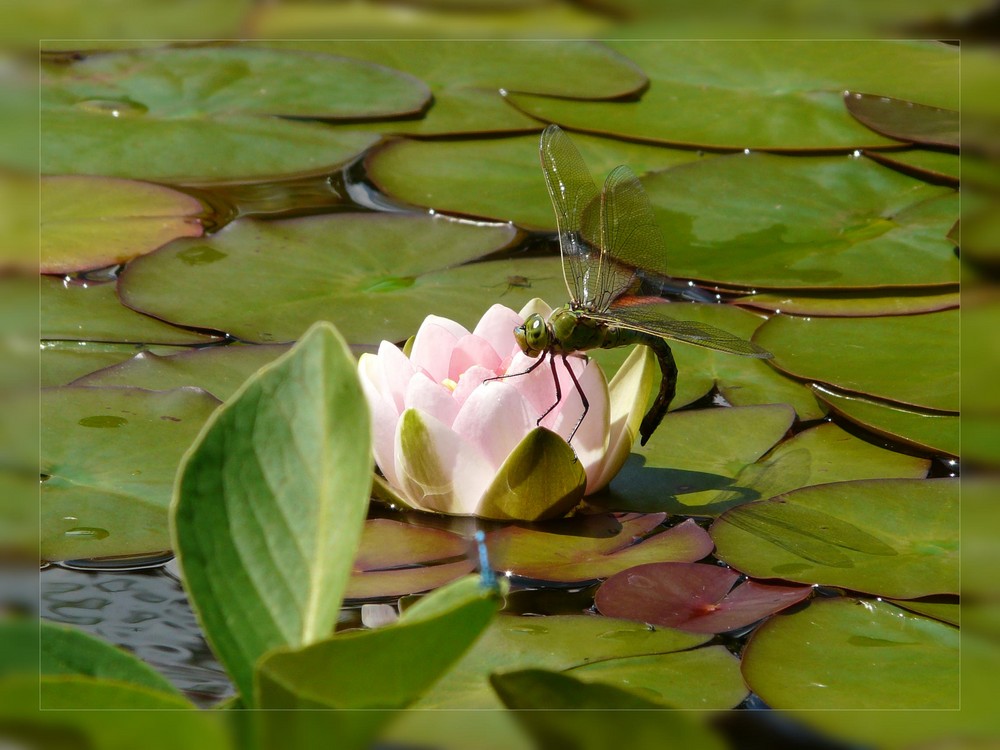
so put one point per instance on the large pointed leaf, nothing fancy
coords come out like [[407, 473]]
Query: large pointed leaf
[[270, 501]]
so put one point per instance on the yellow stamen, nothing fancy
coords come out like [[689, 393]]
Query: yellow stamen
[[450, 384]]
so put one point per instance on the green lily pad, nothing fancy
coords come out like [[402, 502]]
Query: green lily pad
[[558, 642], [93, 222], [788, 94], [375, 276], [905, 120], [466, 76], [854, 654], [929, 431], [110, 456], [450, 175], [62, 362], [556, 554], [692, 596], [702, 678], [87, 311], [576, 714], [872, 356], [855, 304], [936, 166], [760, 220], [937, 607], [695, 452], [895, 538], [126, 114], [77, 26], [220, 370], [703, 484], [396, 559]]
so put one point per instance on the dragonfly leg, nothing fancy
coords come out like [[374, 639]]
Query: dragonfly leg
[[555, 380], [668, 386], [583, 399], [515, 374]]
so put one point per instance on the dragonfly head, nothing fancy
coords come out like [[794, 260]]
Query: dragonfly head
[[533, 336]]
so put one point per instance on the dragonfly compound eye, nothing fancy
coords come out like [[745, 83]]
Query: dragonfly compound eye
[[532, 337]]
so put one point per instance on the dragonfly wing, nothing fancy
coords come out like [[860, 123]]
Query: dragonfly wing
[[651, 319], [578, 213], [630, 236]]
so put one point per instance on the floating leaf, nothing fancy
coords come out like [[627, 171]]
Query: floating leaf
[[945, 609], [761, 220], [78, 27], [86, 311], [895, 538], [466, 77], [850, 653], [557, 554], [905, 120], [703, 678], [787, 93], [929, 431], [577, 718], [218, 370], [396, 558], [62, 362], [375, 276], [275, 489], [108, 459], [127, 114], [873, 356], [692, 596], [935, 166], [93, 222], [448, 175], [851, 304], [558, 642]]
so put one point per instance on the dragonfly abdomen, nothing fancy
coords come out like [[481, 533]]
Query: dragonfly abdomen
[[616, 337]]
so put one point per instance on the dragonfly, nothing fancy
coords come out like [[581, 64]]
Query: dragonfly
[[606, 239]]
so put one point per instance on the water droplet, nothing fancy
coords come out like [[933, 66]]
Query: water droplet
[[102, 420], [201, 255], [113, 107], [86, 532], [70, 518]]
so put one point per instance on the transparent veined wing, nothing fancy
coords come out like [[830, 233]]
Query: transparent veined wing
[[577, 205], [651, 319]]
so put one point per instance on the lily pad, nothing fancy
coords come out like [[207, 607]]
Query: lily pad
[[450, 175], [788, 93], [872, 356], [661, 478], [558, 642], [896, 538], [375, 276], [109, 457], [396, 558], [929, 431], [127, 114], [945, 609], [702, 678], [93, 222], [692, 596], [556, 554], [760, 220], [220, 370], [935, 166], [854, 304], [905, 120], [466, 77], [854, 654], [62, 362], [86, 311]]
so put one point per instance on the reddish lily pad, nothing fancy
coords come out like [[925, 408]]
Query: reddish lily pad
[[692, 596], [925, 430], [554, 556], [895, 538], [93, 222], [905, 120], [850, 304], [873, 356], [857, 654], [396, 559]]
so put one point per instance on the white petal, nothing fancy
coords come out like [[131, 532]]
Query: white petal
[[431, 398], [396, 371], [495, 418], [472, 350], [433, 344], [497, 327]]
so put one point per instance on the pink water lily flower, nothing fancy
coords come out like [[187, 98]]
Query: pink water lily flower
[[450, 438]]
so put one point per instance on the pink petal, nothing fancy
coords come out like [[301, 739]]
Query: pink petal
[[495, 418], [472, 350], [467, 474], [433, 344], [396, 371], [470, 380], [591, 439], [431, 398], [497, 327]]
